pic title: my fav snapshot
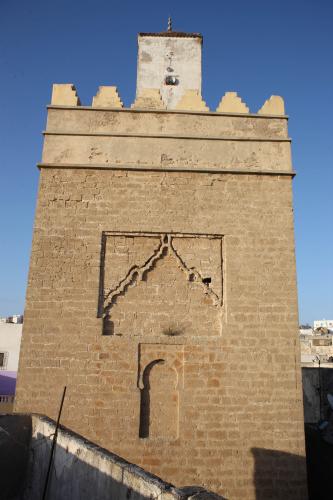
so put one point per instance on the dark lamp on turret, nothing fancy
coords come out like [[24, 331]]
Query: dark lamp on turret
[[171, 80]]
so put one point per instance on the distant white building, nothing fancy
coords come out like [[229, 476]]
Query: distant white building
[[323, 323], [16, 318], [305, 331], [308, 358], [10, 342]]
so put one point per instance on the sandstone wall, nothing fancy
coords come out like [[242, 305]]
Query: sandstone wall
[[162, 292]]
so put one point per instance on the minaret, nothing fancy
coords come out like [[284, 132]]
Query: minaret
[[171, 62], [162, 283]]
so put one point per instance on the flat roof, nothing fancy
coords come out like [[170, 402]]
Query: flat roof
[[176, 34]]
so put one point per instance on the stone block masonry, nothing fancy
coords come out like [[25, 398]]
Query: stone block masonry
[[162, 289], [146, 273]]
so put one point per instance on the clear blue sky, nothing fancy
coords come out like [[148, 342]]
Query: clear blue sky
[[256, 48]]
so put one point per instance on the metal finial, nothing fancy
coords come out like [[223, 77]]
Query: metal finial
[[169, 24]]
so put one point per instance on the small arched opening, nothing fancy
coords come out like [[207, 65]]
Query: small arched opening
[[159, 405]]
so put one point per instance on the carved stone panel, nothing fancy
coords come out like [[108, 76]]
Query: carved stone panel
[[156, 284], [160, 380]]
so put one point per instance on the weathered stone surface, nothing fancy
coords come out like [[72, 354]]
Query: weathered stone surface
[[127, 121], [191, 100], [231, 393], [168, 268], [273, 106], [232, 103], [189, 154], [162, 57], [148, 99], [64, 94], [162, 139], [107, 97]]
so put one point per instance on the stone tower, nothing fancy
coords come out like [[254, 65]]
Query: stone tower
[[162, 286], [170, 62]]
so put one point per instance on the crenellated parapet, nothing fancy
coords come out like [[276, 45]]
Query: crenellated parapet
[[232, 103], [107, 97], [149, 136], [64, 94], [192, 101], [148, 99], [151, 99], [273, 106]]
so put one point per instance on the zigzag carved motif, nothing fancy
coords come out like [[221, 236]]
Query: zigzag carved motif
[[136, 274]]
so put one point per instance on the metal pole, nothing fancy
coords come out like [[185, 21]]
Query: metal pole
[[319, 380], [53, 445]]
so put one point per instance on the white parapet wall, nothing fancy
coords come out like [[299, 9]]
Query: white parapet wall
[[10, 341]]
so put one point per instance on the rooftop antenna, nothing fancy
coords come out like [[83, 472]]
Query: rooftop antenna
[[169, 24]]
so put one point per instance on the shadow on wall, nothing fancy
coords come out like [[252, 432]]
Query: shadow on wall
[[73, 478], [279, 475], [81, 470], [317, 383], [319, 457], [15, 436]]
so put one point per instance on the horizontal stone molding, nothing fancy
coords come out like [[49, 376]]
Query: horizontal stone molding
[[171, 152], [170, 136], [157, 124], [176, 111], [159, 233], [97, 166]]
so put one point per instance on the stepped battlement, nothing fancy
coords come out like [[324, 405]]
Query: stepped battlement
[[107, 97]]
